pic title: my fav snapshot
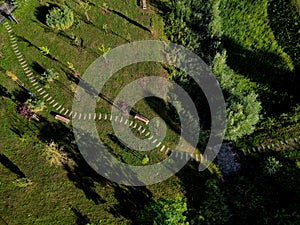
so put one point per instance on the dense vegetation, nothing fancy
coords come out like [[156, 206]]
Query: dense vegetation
[[251, 46]]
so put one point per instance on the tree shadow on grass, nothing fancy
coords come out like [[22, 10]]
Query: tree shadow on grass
[[80, 218], [81, 174], [192, 182], [11, 166], [131, 200], [4, 92], [131, 21], [265, 69]]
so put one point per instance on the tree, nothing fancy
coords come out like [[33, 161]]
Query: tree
[[49, 75], [164, 212], [35, 105], [243, 108], [213, 210], [60, 18], [25, 111]]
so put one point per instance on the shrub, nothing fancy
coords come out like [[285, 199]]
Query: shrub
[[164, 212], [60, 18], [35, 105], [49, 75]]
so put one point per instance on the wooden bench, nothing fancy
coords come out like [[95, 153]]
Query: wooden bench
[[63, 119], [141, 118], [144, 4]]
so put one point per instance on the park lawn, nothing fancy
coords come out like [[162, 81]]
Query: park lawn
[[65, 194]]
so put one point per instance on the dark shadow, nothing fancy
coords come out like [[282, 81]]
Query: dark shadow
[[21, 95], [192, 182], [38, 68], [264, 68], [29, 43], [284, 22], [41, 12], [4, 92], [80, 219], [131, 200], [11, 166], [131, 20]]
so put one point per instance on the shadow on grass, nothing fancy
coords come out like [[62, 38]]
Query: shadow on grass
[[11, 166], [4, 92], [131, 21], [80, 218], [265, 69], [131, 200]]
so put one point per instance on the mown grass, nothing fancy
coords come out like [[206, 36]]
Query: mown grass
[[256, 52], [71, 194]]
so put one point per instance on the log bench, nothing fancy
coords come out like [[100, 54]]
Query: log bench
[[63, 119], [141, 118]]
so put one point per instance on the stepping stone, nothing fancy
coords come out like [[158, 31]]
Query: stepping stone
[[147, 134], [43, 92], [131, 123], [90, 116], [150, 138], [126, 121], [61, 110], [95, 115], [79, 116], [70, 114], [158, 145], [140, 128], [181, 156], [110, 118], [197, 157], [99, 118], [51, 101], [135, 125], [121, 119], [74, 116], [187, 156], [66, 112], [105, 117], [162, 148], [84, 117], [116, 118], [55, 104], [49, 98], [58, 107], [45, 95], [35, 84], [154, 141]]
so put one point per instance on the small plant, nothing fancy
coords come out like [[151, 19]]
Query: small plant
[[23, 182], [49, 75], [25, 111], [55, 154], [145, 160], [272, 166], [105, 28], [86, 6], [103, 50], [60, 18], [71, 66], [45, 50], [35, 105]]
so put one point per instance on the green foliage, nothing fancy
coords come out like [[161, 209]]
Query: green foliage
[[272, 165], [213, 209], [45, 50], [243, 108], [103, 50], [23, 182], [60, 18], [71, 66], [164, 212], [145, 160], [35, 104], [49, 75]]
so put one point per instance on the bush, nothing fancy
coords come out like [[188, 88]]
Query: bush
[[60, 18], [164, 212], [49, 75]]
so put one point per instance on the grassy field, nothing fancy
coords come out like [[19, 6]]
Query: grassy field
[[34, 191], [71, 193]]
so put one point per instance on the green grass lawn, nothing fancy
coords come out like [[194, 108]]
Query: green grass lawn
[[70, 193]]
